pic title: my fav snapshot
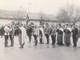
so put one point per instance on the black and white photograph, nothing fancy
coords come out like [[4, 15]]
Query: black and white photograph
[[39, 29]]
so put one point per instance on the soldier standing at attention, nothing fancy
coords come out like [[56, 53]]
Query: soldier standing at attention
[[47, 32], [11, 34], [53, 34], [75, 35], [30, 31], [6, 35], [36, 34]]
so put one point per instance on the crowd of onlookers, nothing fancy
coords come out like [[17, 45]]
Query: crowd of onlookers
[[59, 33]]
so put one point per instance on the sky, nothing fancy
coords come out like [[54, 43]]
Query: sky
[[36, 6]]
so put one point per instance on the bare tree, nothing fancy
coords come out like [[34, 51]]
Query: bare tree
[[70, 13], [19, 14]]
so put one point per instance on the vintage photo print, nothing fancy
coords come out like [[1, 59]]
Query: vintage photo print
[[39, 29]]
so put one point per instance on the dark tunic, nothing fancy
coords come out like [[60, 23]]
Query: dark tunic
[[19, 31], [47, 33], [29, 31], [59, 37], [75, 36], [2, 30], [53, 35], [59, 31], [75, 32], [66, 31], [67, 36]]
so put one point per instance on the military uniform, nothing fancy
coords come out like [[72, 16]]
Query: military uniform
[[6, 35], [75, 36], [11, 35], [53, 35], [47, 33]]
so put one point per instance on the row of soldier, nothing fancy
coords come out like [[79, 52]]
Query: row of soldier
[[45, 30], [56, 31]]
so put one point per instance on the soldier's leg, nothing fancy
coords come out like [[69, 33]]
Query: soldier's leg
[[62, 40], [6, 40], [29, 38], [58, 39], [52, 37], [47, 37], [40, 39], [12, 41], [68, 40], [74, 42], [35, 38]]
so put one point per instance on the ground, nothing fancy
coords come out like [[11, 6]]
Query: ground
[[40, 52]]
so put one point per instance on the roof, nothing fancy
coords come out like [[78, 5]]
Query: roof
[[15, 14]]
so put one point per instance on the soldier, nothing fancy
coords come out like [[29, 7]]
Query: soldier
[[36, 34], [30, 31], [11, 33], [75, 35], [6, 35], [53, 34], [47, 32]]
